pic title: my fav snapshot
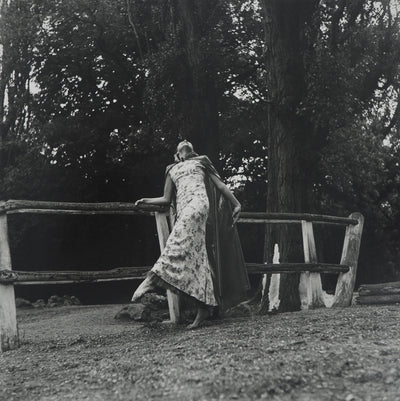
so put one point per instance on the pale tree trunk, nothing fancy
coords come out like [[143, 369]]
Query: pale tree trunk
[[286, 23]]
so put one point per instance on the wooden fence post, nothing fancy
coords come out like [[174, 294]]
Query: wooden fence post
[[173, 299], [311, 281], [8, 314], [273, 293], [351, 249]]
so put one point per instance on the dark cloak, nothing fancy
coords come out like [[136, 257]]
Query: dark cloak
[[224, 249]]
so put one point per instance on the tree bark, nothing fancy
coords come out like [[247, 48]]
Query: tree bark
[[201, 123], [288, 138]]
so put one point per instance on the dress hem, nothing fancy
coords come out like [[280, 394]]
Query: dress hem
[[160, 282]]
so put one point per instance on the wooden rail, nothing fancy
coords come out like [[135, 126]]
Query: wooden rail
[[264, 268], [310, 288], [261, 217], [20, 277], [36, 276], [13, 206], [43, 207]]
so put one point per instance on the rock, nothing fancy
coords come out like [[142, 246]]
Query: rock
[[75, 300], [55, 300], [71, 300], [23, 303], [65, 300], [135, 311], [151, 307], [39, 303], [240, 310], [155, 301]]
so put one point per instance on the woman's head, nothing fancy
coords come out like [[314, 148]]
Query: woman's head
[[184, 147]]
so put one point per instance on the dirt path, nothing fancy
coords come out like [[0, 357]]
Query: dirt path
[[82, 353]]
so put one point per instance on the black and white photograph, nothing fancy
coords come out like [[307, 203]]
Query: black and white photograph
[[199, 200]]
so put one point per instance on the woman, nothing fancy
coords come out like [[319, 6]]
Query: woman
[[202, 256]]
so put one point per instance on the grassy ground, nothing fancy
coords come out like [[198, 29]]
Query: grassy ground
[[82, 353]]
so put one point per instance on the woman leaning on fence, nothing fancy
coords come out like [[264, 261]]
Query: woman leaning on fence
[[202, 257]]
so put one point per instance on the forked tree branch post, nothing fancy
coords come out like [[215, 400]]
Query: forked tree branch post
[[351, 249], [310, 287], [8, 315]]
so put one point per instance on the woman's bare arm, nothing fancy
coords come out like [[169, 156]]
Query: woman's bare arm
[[229, 195], [162, 200]]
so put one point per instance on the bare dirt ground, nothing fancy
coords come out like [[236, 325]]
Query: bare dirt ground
[[83, 353]]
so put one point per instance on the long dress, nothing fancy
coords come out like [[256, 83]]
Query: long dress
[[184, 263]]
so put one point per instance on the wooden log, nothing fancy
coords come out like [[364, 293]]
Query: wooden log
[[310, 286], [27, 206], [72, 276], [81, 212], [30, 206], [379, 299], [351, 248], [393, 284], [23, 277], [273, 217], [262, 268], [255, 220], [8, 314], [284, 221], [100, 280], [389, 288], [173, 299]]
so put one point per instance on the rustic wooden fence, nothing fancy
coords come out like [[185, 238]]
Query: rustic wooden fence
[[312, 293]]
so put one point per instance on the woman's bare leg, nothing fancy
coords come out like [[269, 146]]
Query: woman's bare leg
[[146, 285]]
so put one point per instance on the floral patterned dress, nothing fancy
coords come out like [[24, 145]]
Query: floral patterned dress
[[183, 263]]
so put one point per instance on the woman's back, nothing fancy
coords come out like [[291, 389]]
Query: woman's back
[[188, 177]]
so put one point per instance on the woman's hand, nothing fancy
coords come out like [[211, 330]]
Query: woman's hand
[[235, 213], [161, 200], [237, 207], [139, 201]]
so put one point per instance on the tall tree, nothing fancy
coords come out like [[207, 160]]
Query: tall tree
[[199, 36], [332, 79], [287, 24], [184, 57]]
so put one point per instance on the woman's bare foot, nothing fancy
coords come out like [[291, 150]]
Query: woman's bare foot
[[202, 315], [168, 322]]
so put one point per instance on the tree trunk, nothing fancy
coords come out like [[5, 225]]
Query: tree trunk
[[201, 122], [286, 23]]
